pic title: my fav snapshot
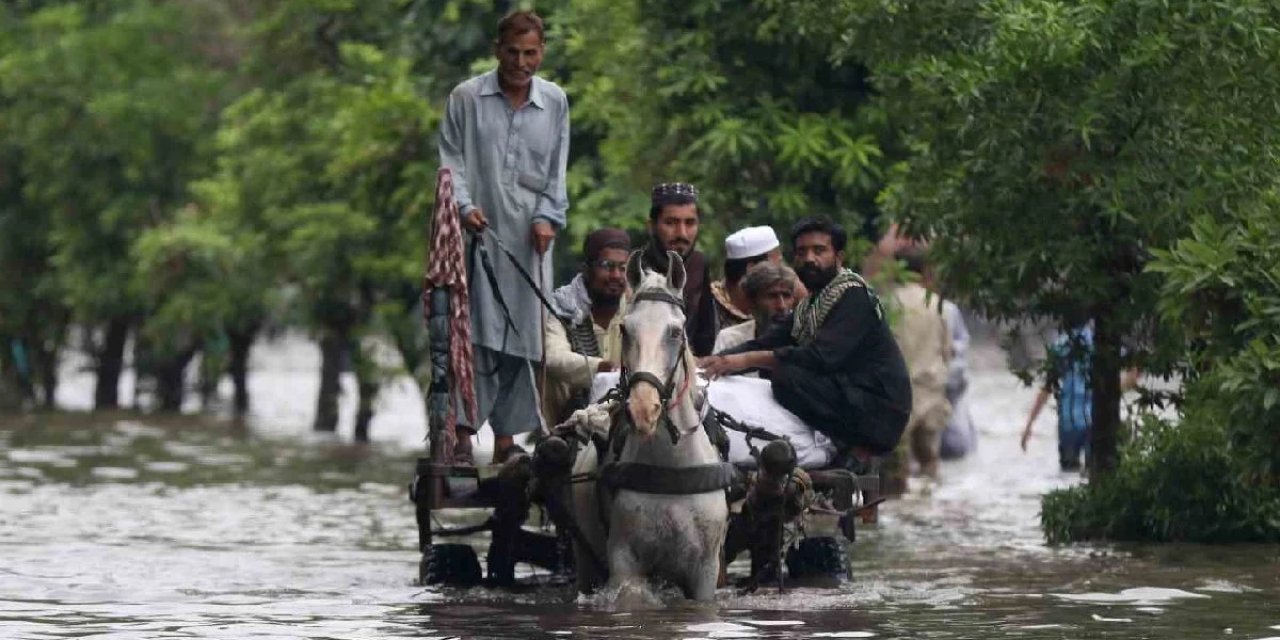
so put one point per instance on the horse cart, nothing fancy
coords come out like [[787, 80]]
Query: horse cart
[[794, 522]]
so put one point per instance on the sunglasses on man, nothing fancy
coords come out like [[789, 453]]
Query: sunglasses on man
[[609, 265]]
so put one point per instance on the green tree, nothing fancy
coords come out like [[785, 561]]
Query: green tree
[[722, 95], [1054, 146], [1212, 475], [106, 108], [329, 160]]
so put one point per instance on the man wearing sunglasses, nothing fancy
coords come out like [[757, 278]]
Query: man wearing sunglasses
[[585, 336]]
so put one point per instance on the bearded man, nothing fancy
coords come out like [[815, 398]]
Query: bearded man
[[674, 219], [770, 293], [835, 363], [585, 337], [505, 137]]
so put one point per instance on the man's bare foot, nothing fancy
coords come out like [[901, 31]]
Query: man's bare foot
[[500, 446]]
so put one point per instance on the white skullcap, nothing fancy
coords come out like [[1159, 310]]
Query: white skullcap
[[750, 242]]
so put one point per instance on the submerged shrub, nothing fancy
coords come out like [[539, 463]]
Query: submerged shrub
[[1175, 482]]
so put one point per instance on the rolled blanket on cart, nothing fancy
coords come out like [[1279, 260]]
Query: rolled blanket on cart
[[750, 401]]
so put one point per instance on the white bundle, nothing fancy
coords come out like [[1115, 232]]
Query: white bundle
[[750, 401]]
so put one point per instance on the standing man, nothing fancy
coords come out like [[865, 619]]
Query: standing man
[[673, 226], [505, 136], [835, 363], [922, 336]]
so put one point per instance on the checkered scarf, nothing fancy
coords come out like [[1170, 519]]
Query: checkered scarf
[[812, 311], [445, 268]]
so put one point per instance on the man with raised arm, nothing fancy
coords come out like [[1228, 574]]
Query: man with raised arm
[[505, 136], [835, 363]]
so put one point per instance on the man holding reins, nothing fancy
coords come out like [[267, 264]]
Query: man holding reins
[[505, 136]]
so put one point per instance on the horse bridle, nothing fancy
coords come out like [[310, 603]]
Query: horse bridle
[[627, 380]]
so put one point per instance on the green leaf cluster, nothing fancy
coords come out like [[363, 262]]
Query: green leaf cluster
[[1213, 475], [723, 95]]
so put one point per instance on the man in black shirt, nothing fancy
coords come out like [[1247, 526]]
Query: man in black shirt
[[835, 364]]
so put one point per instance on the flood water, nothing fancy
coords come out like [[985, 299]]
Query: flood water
[[132, 527]]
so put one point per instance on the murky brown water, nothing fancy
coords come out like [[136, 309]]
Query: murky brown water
[[123, 527]]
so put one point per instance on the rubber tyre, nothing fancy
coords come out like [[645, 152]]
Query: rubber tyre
[[818, 557], [454, 565]]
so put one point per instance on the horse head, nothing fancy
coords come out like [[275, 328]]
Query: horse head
[[657, 363]]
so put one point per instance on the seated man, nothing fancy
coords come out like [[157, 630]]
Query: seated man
[[674, 221], [585, 336], [835, 364], [743, 249], [770, 291]]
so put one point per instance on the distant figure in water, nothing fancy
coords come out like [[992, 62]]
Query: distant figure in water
[[960, 436], [1068, 381]]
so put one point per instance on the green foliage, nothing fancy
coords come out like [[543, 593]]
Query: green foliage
[[1176, 482], [1215, 475], [199, 280], [748, 110], [1222, 284], [331, 168], [1054, 145], [109, 114]]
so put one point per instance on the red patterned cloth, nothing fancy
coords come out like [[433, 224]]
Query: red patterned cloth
[[445, 268]]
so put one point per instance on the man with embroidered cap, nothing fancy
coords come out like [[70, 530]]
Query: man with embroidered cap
[[743, 249], [674, 219], [835, 363], [505, 137], [585, 336]]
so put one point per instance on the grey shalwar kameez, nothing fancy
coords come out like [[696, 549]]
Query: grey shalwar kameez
[[511, 164]]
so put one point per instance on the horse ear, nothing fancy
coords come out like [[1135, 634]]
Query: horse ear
[[676, 275], [635, 270]]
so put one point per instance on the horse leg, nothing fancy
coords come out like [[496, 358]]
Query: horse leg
[[588, 577], [706, 532], [590, 545], [626, 576]]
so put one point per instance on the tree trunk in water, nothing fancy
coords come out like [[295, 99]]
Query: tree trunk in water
[[1105, 382], [106, 394], [47, 367], [171, 380], [333, 343], [241, 343], [50, 389], [367, 388]]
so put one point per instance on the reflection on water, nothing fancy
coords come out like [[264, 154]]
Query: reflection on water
[[124, 527]]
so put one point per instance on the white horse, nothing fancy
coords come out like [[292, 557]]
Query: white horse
[[658, 510]]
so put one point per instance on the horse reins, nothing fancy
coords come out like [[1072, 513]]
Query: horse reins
[[667, 394]]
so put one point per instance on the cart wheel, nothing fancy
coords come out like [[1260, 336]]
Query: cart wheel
[[453, 565], [814, 557]]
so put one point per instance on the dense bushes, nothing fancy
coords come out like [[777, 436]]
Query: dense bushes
[[1175, 482], [1213, 475]]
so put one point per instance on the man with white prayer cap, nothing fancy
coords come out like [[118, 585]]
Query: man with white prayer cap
[[742, 249]]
